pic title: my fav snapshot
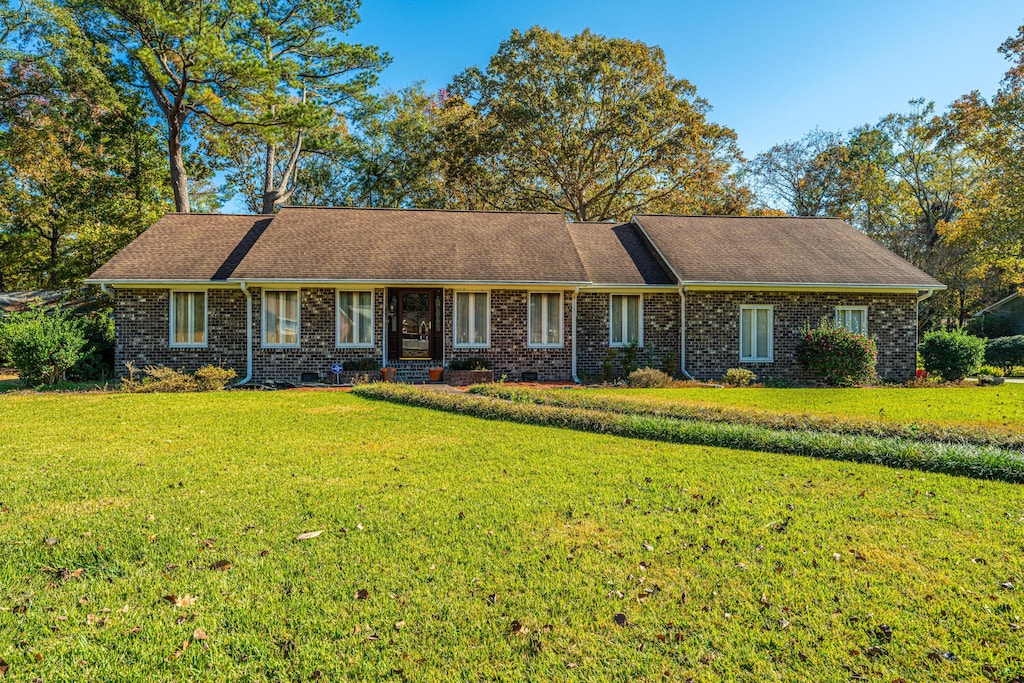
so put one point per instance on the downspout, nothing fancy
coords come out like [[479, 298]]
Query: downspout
[[248, 335], [682, 333], [575, 295], [106, 289], [926, 295]]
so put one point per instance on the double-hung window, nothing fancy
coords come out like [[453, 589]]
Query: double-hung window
[[188, 319], [281, 318], [472, 320], [626, 320], [354, 316], [853, 318], [544, 323], [756, 333]]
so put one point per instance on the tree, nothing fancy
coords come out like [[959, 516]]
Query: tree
[[316, 75], [81, 168], [193, 57], [807, 177], [590, 126]]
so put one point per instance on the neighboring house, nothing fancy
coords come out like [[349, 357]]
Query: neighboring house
[[286, 296], [1004, 318]]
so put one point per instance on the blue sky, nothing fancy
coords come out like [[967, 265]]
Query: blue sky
[[771, 70]]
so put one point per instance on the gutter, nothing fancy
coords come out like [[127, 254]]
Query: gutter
[[248, 334], [575, 295], [682, 333]]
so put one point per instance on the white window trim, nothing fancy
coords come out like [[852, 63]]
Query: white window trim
[[338, 344], [640, 321], [770, 358], [840, 309], [472, 314], [263, 319], [206, 321], [543, 315]]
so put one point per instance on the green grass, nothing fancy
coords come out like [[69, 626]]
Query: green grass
[[969, 405], [432, 513]]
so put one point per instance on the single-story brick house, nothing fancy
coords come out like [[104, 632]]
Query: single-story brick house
[[288, 296]]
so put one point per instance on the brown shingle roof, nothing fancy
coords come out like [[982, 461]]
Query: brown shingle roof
[[777, 250], [414, 245], [616, 254], [185, 247]]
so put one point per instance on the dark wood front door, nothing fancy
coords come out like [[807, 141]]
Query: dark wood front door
[[414, 324]]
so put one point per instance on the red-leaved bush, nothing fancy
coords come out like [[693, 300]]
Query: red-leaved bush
[[837, 356]]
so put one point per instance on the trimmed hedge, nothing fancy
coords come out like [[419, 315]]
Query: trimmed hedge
[[954, 354], [1005, 352], [915, 431], [983, 462]]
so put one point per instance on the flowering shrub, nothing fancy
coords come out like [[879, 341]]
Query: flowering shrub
[[837, 356], [739, 377]]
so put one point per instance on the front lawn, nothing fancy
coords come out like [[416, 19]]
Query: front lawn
[[969, 405], [461, 549]]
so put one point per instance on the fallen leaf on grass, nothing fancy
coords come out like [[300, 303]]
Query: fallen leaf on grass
[[306, 535], [619, 618], [184, 601], [399, 625], [199, 634], [133, 630], [222, 565], [362, 594], [884, 633], [519, 629], [179, 653], [3, 668]]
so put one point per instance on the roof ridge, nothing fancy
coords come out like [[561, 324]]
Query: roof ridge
[[707, 215], [390, 208]]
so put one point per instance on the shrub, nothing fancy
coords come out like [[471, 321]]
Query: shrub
[[954, 354], [97, 361], [649, 378], [157, 378], [738, 377], [362, 365], [991, 371], [670, 364], [41, 347], [471, 363], [835, 355], [1006, 352]]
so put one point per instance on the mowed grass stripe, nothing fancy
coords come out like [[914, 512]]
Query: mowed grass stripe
[[983, 462], [564, 528]]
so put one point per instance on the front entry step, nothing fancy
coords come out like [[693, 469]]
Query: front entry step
[[413, 371]]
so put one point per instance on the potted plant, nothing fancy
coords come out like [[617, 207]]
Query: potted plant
[[388, 374], [435, 374]]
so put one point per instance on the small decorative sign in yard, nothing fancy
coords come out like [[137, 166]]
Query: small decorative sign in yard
[[336, 370]]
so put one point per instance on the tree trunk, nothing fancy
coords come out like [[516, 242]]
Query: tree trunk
[[269, 194], [179, 179]]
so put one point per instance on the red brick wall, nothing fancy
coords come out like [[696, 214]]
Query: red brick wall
[[142, 325], [508, 352], [713, 330], [661, 331]]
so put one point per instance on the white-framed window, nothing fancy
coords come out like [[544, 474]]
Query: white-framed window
[[188, 319], [756, 333], [853, 318], [281, 318], [354, 316], [626, 320], [472, 320], [544, 320]]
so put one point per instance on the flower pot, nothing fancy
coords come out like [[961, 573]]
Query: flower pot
[[388, 374], [435, 374]]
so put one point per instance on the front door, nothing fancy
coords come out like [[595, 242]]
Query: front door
[[414, 325]]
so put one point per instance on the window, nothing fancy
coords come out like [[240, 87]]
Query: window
[[355, 319], [188, 319], [281, 318], [853, 318], [626, 320], [544, 323], [472, 323], [756, 333]]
